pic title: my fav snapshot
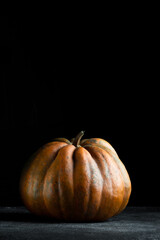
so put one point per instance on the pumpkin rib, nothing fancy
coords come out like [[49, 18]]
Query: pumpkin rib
[[116, 160], [98, 142], [113, 155], [111, 184], [59, 191], [123, 172], [89, 191], [50, 193], [120, 175], [65, 180], [43, 180], [125, 177], [99, 170], [49, 174], [32, 182], [102, 186], [103, 156], [112, 211], [95, 185], [82, 183], [127, 185]]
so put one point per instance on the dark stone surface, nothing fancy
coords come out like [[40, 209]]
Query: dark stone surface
[[133, 223]]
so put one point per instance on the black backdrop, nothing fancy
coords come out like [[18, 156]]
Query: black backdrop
[[62, 75]]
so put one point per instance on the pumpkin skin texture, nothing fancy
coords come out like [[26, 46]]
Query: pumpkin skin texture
[[75, 181]]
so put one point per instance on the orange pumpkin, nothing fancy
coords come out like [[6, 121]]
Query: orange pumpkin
[[75, 180]]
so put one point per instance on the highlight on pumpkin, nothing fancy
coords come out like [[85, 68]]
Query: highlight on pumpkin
[[77, 180]]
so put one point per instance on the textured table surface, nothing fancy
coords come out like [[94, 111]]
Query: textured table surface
[[133, 223]]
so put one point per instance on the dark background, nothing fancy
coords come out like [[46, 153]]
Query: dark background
[[88, 71]]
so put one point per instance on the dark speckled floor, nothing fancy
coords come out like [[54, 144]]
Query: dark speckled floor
[[133, 223]]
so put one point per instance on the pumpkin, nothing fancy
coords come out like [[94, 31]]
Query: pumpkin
[[77, 180]]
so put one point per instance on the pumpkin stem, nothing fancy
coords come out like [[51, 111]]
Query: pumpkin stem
[[77, 139]]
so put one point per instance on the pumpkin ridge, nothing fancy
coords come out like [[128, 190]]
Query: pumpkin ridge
[[93, 183], [121, 168], [73, 160], [111, 154], [88, 146], [50, 212], [65, 180], [32, 187], [101, 187], [122, 171], [55, 177], [94, 217], [110, 180], [58, 195], [90, 182], [81, 192]]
